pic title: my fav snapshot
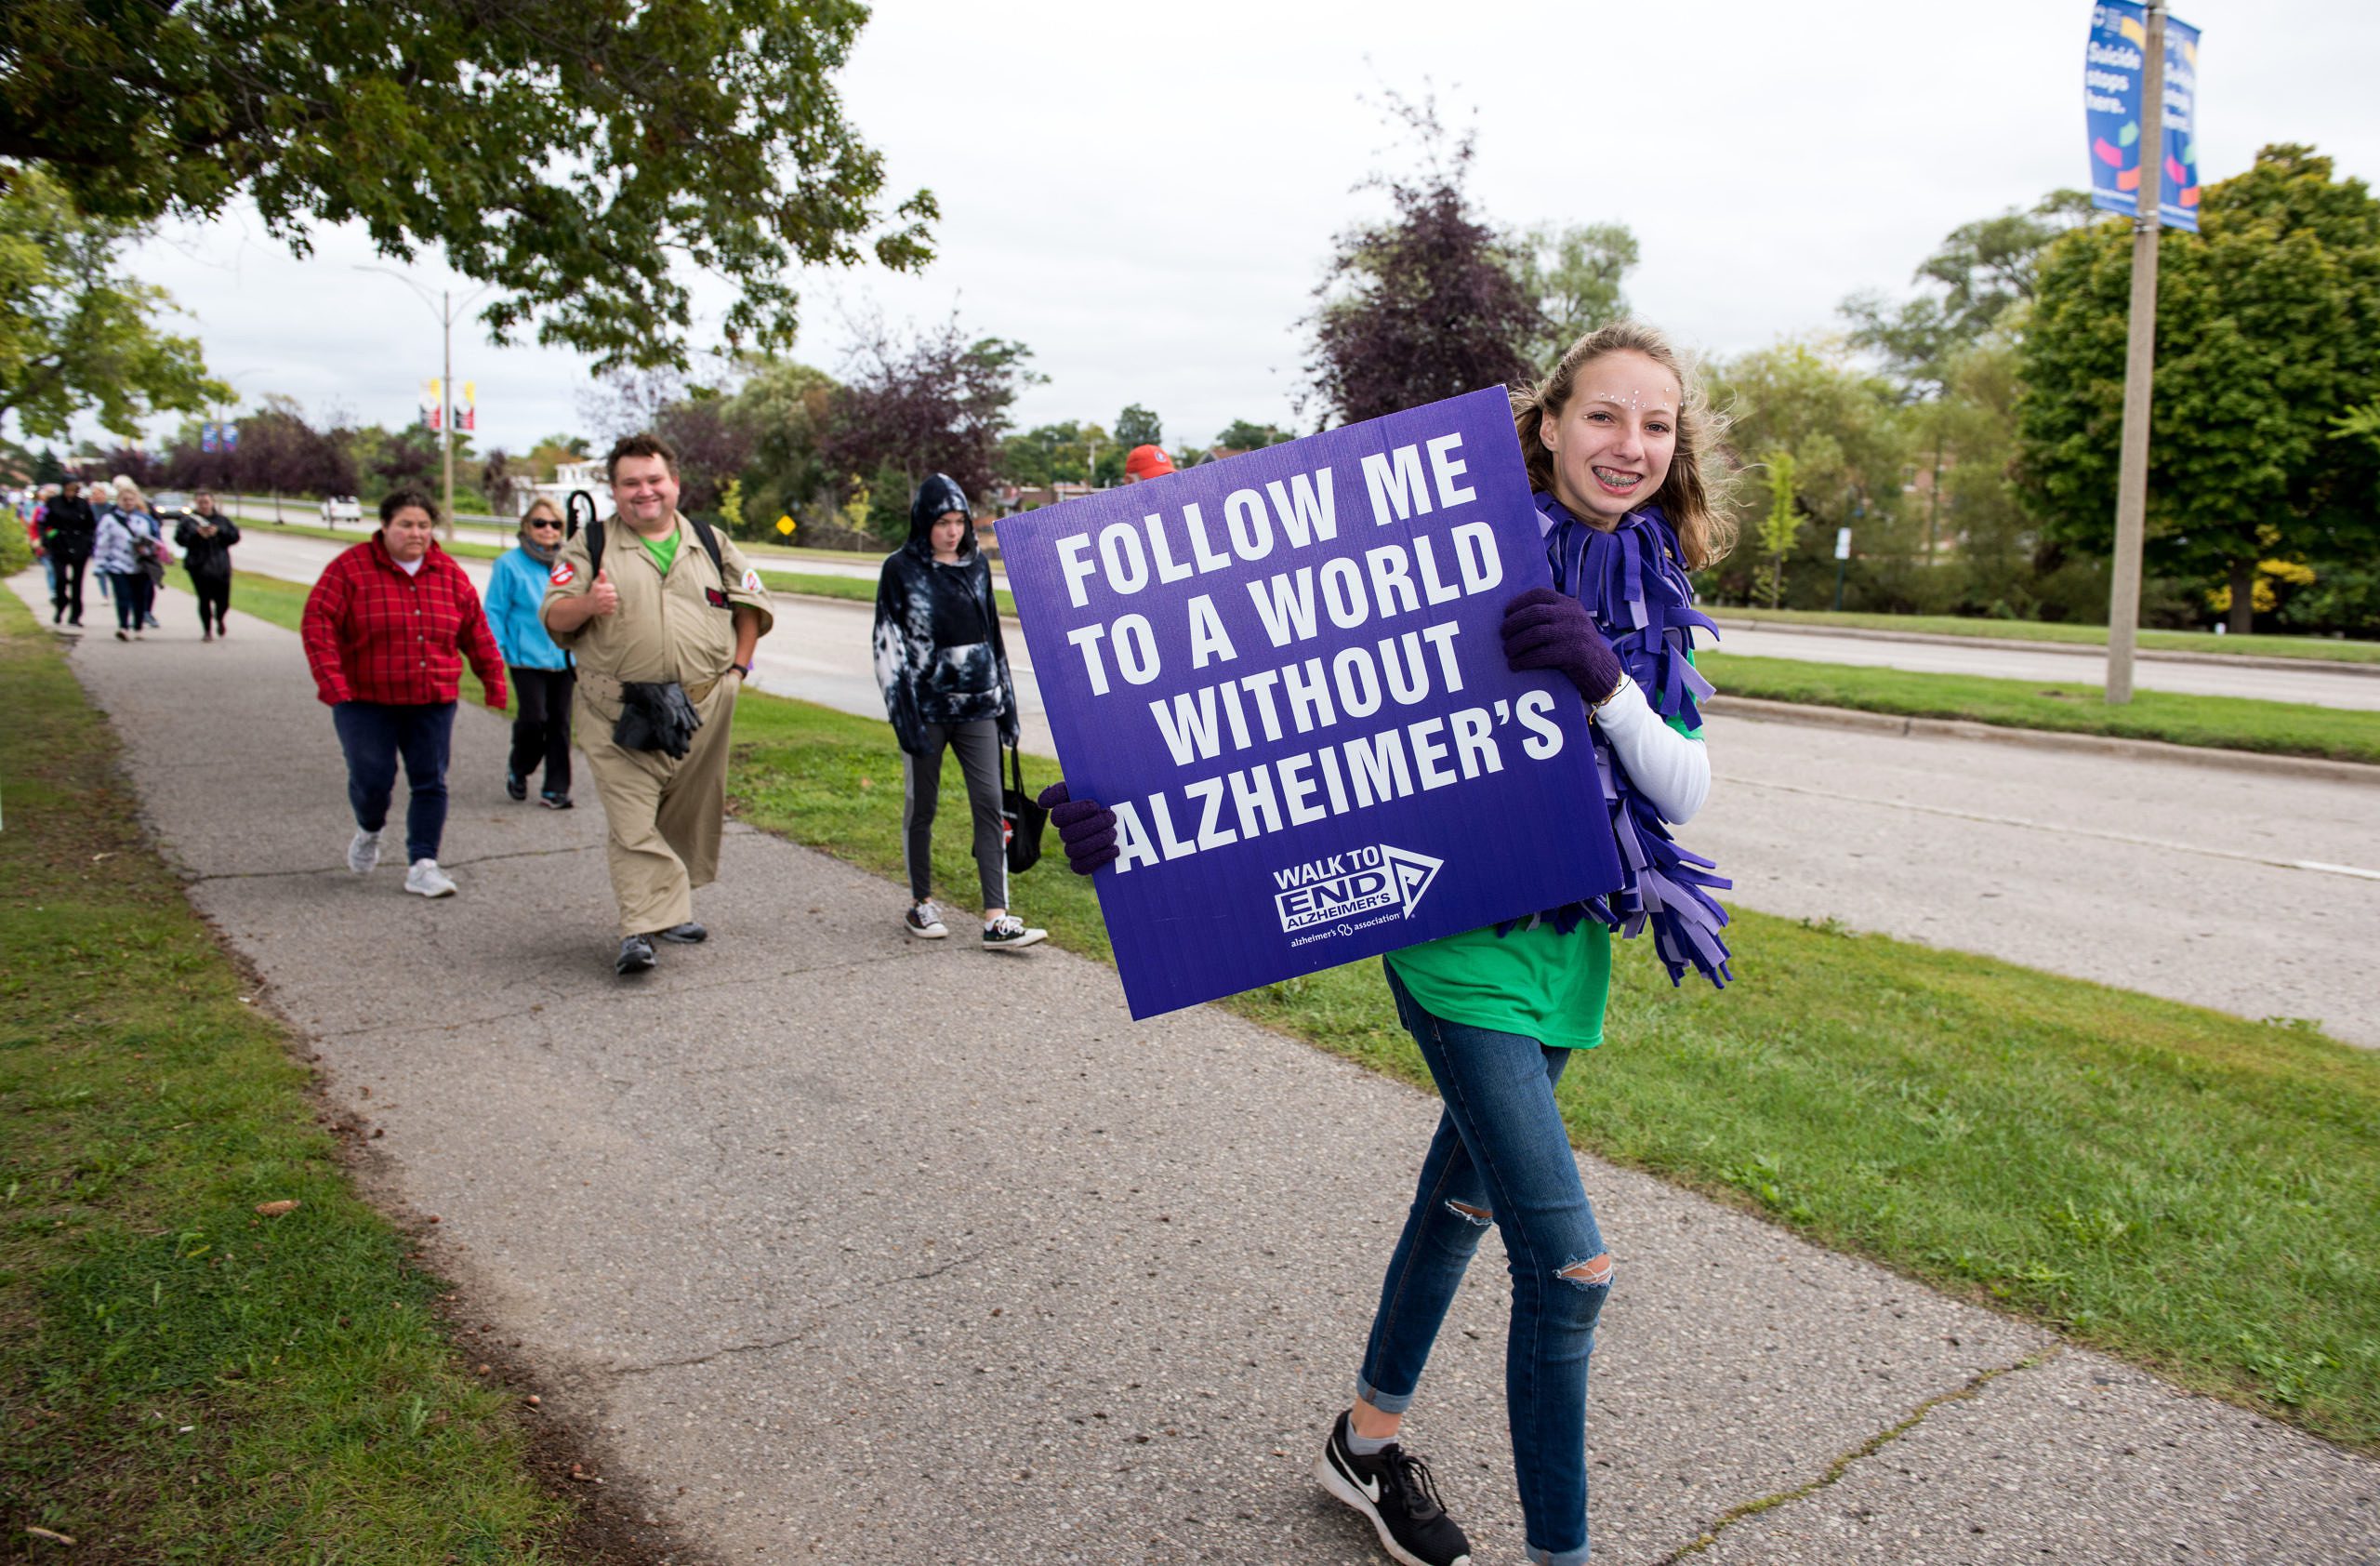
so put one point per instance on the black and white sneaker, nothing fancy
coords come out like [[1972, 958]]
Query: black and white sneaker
[[925, 922], [1008, 931], [1395, 1490]]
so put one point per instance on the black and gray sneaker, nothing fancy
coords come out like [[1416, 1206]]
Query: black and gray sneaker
[[515, 785], [636, 955], [1008, 931], [1395, 1490]]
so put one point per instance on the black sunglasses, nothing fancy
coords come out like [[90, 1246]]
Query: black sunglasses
[[543, 522]]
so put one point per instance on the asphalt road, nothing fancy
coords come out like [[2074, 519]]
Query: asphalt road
[[825, 1244], [2175, 879]]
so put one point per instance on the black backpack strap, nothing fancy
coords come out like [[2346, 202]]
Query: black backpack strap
[[710, 547]]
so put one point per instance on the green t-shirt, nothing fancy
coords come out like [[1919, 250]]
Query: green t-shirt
[[663, 549], [1536, 981]]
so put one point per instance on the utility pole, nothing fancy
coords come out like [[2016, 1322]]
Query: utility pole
[[446, 309], [2141, 365]]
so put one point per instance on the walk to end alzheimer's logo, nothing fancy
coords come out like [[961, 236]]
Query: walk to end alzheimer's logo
[[1340, 888]]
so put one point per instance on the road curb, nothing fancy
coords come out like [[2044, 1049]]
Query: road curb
[[2080, 649], [2321, 768]]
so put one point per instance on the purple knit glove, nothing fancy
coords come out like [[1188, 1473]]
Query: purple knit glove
[[1548, 630], [1086, 828]]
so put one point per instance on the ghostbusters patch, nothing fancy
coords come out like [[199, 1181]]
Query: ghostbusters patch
[[564, 574], [751, 579]]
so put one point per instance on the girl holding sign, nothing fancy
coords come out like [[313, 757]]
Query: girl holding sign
[[1614, 440]]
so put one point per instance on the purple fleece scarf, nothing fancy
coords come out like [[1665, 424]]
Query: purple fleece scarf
[[1630, 582]]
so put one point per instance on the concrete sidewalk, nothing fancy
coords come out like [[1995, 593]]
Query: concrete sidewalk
[[846, 1246]]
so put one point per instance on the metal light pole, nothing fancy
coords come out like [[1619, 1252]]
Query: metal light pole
[[442, 305], [2141, 365]]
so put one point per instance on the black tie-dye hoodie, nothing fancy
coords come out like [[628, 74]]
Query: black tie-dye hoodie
[[939, 656]]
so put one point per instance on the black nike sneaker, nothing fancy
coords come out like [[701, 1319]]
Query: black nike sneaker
[[1396, 1491]]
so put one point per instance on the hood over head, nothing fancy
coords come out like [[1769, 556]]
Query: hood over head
[[939, 493]]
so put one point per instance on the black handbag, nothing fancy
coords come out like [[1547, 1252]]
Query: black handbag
[[1020, 819]]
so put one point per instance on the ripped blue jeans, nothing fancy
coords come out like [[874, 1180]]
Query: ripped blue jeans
[[1501, 1156]]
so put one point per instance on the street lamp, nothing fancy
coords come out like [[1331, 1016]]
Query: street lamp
[[442, 305]]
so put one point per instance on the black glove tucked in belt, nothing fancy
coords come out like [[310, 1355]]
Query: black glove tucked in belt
[[656, 715]]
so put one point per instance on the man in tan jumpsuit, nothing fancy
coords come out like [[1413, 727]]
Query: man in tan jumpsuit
[[656, 609]]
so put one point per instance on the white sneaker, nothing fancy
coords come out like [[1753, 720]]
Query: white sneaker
[[1008, 932], [925, 923], [363, 851], [428, 880]]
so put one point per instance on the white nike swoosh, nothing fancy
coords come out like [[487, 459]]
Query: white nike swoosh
[[1370, 1487]]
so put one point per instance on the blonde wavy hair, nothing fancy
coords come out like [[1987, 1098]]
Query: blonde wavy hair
[[1694, 495]]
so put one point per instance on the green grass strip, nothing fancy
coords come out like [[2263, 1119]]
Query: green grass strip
[[181, 1377], [2193, 1192], [2318, 649], [2220, 722]]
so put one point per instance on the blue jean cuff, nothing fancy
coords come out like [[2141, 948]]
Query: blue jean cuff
[[1566, 1558], [1387, 1402]]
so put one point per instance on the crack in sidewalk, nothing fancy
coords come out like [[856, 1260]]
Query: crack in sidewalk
[[336, 869], [1842, 1464], [819, 1319]]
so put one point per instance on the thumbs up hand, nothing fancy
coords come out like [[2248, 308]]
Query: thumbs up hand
[[605, 597]]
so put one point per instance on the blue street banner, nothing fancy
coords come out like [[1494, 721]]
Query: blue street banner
[[2112, 73], [1284, 672], [215, 436]]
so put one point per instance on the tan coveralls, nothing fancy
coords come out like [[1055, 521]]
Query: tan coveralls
[[665, 816]]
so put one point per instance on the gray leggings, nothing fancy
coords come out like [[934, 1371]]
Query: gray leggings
[[978, 744]]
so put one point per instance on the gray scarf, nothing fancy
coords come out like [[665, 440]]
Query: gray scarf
[[544, 554]]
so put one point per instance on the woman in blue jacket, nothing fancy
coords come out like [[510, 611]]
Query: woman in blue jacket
[[541, 672]]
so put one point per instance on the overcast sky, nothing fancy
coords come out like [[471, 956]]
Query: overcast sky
[[1148, 205]]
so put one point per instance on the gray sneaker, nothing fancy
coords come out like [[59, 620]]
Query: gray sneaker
[[1008, 932], [362, 851], [427, 880], [636, 956]]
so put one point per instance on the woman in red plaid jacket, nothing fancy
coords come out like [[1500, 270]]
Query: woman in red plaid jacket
[[387, 629]]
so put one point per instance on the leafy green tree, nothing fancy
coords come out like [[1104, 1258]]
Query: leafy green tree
[[1574, 274], [1849, 438], [572, 153], [1780, 527], [785, 406], [1980, 272], [2267, 325], [1241, 435], [1137, 426], [75, 334]]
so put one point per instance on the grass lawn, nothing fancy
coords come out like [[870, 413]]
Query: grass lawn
[[2193, 1192], [2318, 648], [2224, 723], [183, 1376]]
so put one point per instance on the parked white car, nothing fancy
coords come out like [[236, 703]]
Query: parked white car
[[341, 507]]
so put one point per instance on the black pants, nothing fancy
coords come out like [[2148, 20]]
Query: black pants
[[978, 744], [213, 597], [541, 723], [66, 598]]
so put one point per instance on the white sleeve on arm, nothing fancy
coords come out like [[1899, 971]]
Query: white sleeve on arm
[[1674, 772]]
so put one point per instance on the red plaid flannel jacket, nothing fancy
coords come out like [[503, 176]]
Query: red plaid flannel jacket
[[374, 633]]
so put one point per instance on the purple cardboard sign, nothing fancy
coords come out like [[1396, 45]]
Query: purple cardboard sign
[[1284, 673]]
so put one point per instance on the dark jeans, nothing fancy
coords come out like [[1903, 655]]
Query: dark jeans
[[134, 593], [66, 596], [541, 724], [1501, 1156], [213, 597], [978, 744], [374, 735]]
